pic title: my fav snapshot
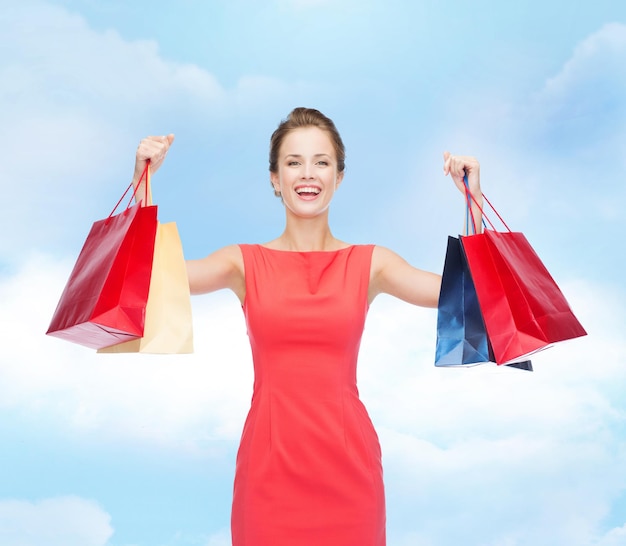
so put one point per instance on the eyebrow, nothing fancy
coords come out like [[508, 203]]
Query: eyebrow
[[297, 156]]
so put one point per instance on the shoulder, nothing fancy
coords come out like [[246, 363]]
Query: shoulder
[[384, 262], [221, 269], [392, 274], [383, 258], [382, 266], [224, 257], [232, 254]]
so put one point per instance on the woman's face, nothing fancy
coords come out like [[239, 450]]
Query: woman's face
[[307, 174]]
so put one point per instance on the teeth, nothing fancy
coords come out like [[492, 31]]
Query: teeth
[[308, 190]]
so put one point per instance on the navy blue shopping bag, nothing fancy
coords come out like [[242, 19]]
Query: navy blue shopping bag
[[461, 335]]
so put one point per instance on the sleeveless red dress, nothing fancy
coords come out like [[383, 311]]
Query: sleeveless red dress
[[309, 467]]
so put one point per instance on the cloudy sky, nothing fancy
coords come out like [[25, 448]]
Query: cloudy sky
[[133, 450]]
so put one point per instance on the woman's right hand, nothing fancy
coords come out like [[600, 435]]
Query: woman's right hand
[[155, 149]]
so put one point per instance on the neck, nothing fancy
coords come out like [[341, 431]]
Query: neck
[[307, 234]]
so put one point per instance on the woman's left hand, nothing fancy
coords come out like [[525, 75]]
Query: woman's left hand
[[457, 166]]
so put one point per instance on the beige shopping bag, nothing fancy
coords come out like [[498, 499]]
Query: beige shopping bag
[[168, 327]]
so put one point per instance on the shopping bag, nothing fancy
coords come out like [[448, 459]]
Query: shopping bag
[[523, 308], [461, 334], [168, 327], [105, 297]]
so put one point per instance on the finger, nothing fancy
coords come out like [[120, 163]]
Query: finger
[[458, 180], [452, 166], [167, 142], [164, 143], [153, 147], [459, 171], [446, 162], [458, 167]]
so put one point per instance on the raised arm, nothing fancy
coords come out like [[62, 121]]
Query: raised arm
[[221, 269], [390, 274]]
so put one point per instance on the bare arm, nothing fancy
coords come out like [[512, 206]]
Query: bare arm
[[223, 268], [391, 274]]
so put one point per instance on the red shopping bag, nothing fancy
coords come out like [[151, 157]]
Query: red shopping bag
[[523, 308], [105, 298]]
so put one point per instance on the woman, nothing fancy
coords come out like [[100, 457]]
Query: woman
[[308, 469]]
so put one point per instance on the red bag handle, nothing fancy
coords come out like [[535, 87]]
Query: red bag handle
[[469, 198], [145, 174]]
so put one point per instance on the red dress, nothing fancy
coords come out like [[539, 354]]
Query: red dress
[[309, 464]]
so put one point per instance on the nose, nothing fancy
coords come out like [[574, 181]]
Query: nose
[[307, 170]]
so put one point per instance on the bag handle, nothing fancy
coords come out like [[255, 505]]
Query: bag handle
[[145, 174], [148, 172], [469, 215], [468, 200]]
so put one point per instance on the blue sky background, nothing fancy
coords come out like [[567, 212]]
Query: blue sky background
[[134, 450]]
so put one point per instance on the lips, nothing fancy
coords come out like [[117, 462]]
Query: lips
[[307, 191]]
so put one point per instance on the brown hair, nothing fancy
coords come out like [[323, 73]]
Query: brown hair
[[306, 117]]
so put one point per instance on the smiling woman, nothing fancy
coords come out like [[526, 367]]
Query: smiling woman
[[309, 466], [307, 173]]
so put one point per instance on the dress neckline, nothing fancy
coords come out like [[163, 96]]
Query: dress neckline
[[305, 251]]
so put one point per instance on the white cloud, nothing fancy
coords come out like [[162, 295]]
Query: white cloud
[[61, 521], [594, 60], [558, 370], [69, 97], [515, 458], [476, 441], [503, 456], [530, 457], [615, 537], [548, 159], [490, 451], [59, 60], [190, 402], [581, 110], [74, 103]]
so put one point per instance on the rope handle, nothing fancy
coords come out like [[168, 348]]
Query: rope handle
[[145, 174], [468, 200]]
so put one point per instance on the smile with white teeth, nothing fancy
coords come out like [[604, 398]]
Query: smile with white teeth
[[307, 190]]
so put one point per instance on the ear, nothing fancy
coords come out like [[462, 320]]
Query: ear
[[275, 181], [339, 179]]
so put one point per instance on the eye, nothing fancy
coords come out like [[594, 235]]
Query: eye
[[323, 163], [293, 163]]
